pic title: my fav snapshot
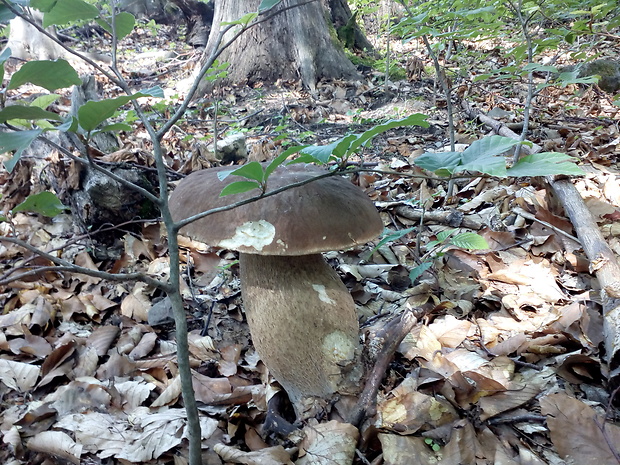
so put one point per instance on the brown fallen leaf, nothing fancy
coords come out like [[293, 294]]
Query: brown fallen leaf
[[579, 433]]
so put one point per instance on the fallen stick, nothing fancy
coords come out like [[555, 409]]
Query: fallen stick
[[603, 262]]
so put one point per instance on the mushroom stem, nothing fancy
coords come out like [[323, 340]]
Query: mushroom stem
[[303, 324]]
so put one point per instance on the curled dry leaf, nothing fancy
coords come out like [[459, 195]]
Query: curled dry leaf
[[56, 443], [18, 376]]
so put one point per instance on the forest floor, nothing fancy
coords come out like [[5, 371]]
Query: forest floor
[[505, 367]]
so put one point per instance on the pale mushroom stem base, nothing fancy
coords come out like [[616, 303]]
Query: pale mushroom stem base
[[303, 324]]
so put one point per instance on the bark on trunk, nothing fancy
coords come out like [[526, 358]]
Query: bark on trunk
[[27, 43], [295, 44], [303, 325], [349, 31]]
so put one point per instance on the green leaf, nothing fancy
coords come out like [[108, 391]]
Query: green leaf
[[92, 114], [44, 203], [482, 156], [65, 11], [239, 187], [44, 101], [5, 55], [418, 270], [116, 127], [322, 153], [244, 20], [252, 170], [5, 14], [48, 74], [417, 119], [27, 113], [545, 164], [17, 141], [267, 5], [45, 6], [281, 159], [389, 236], [440, 163], [470, 240], [443, 235], [540, 67], [124, 24]]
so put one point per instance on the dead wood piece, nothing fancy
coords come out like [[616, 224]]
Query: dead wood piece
[[603, 262], [389, 338], [443, 217]]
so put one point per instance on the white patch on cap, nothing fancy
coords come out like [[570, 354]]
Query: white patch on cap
[[255, 234], [323, 297]]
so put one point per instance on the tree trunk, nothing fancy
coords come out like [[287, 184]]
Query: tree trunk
[[298, 43], [348, 30], [26, 43]]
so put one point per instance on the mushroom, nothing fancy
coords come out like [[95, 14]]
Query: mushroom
[[301, 316]]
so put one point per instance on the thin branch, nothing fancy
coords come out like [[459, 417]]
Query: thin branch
[[153, 198], [83, 270]]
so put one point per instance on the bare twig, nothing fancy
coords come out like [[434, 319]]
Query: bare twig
[[65, 265]]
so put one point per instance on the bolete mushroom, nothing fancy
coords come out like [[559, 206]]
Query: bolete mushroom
[[301, 316]]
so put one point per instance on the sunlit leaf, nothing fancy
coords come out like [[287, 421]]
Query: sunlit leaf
[[545, 164], [44, 203], [239, 187], [244, 20], [470, 240], [65, 11], [44, 101], [252, 170]]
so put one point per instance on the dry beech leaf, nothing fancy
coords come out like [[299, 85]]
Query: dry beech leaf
[[18, 376], [406, 410], [133, 393], [144, 347], [331, 443], [449, 331], [170, 394], [579, 434], [102, 337], [56, 443], [406, 450], [270, 456], [230, 359]]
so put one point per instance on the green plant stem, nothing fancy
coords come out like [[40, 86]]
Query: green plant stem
[[524, 24]]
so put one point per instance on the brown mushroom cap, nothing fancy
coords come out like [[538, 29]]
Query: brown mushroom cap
[[327, 214]]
